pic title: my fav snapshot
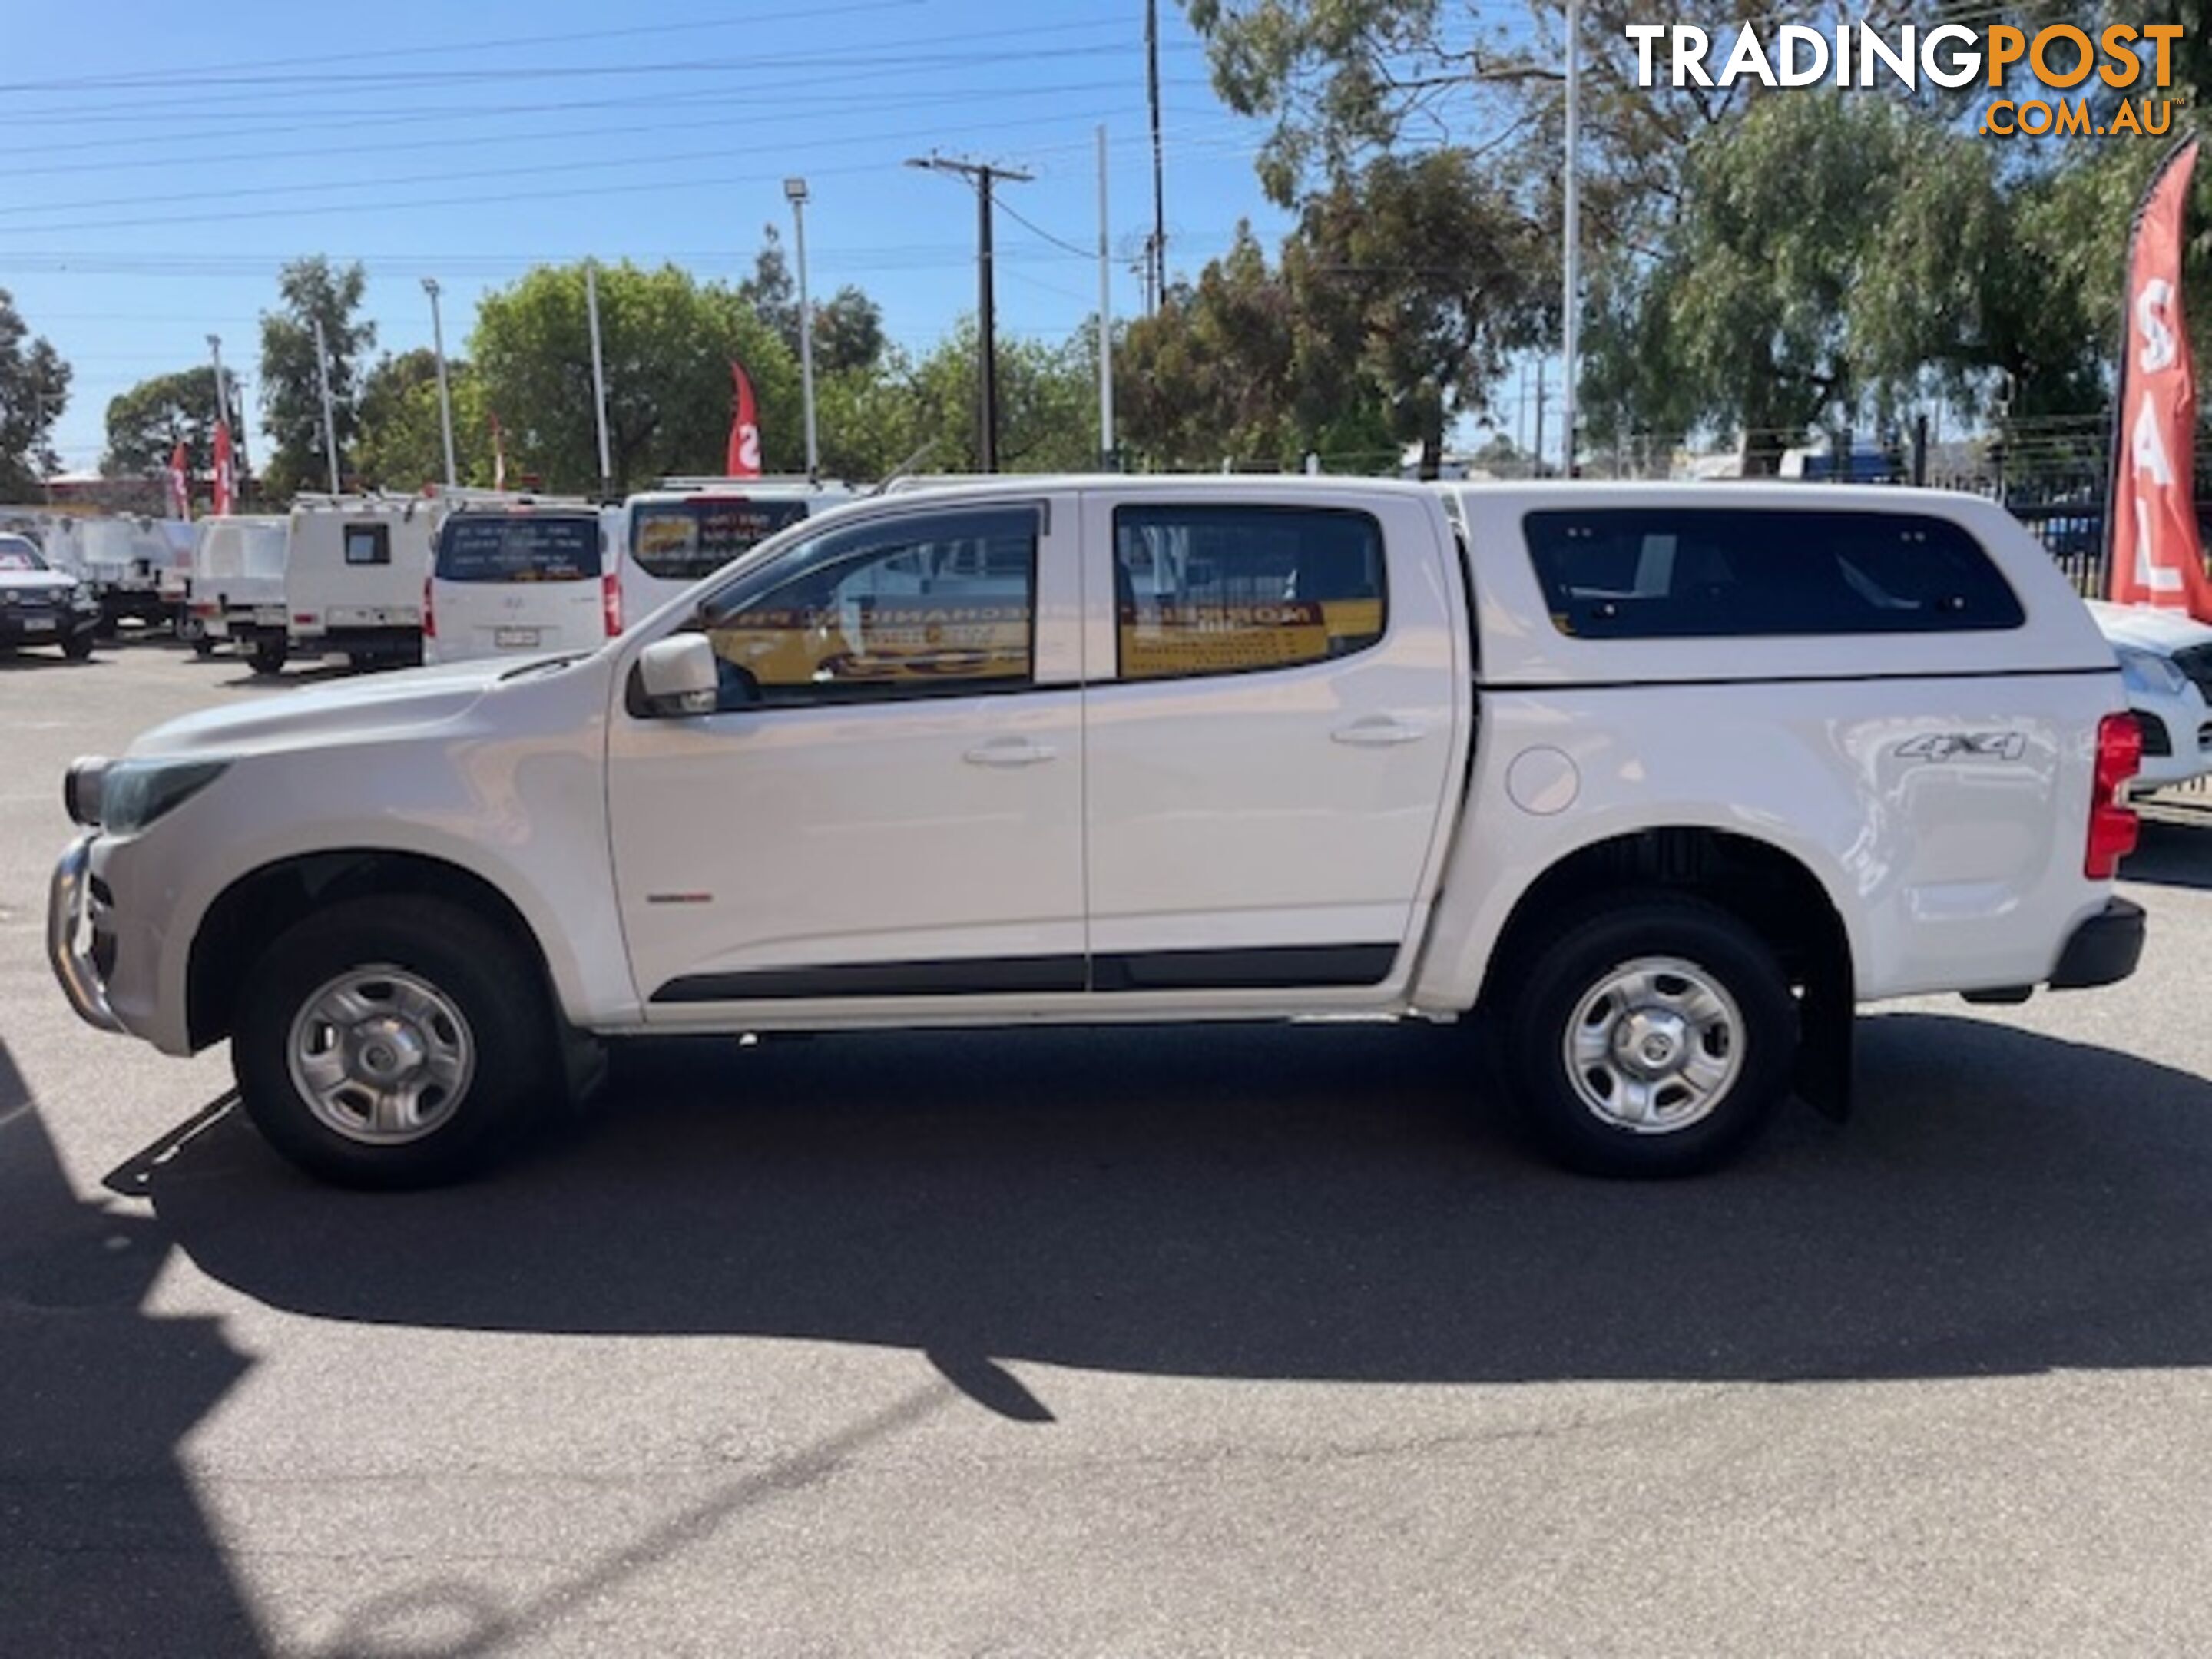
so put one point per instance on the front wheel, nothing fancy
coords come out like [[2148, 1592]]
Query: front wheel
[[78, 646], [392, 1042], [1652, 1038]]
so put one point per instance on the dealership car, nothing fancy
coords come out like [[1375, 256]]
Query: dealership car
[[1666, 778], [40, 605], [2166, 662]]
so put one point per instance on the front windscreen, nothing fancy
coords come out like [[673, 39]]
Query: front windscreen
[[16, 553], [682, 540], [539, 548]]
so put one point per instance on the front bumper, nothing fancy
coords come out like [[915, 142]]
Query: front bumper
[[2103, 951], [73, 940], [44, 627]]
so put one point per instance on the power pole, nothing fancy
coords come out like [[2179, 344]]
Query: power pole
[[1536, 455], [1105, 323], [599, 373], [982, 175], [1157, 276]]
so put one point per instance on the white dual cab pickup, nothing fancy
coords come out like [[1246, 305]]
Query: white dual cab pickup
[[1668, 778]]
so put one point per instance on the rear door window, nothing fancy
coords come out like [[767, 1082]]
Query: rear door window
[[1230, 590], [1689, 573], [501, 548], [683, 541]]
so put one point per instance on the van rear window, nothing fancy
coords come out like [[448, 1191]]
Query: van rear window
[[1701, 572], [507, 548], [683, 541]]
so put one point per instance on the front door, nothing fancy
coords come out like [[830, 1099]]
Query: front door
[[886, 804]]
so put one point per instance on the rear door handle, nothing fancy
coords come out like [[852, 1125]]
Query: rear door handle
[[1010, 752], [1378, 732]]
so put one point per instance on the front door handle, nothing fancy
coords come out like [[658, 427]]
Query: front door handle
[[1378, 732], [1010, 752]]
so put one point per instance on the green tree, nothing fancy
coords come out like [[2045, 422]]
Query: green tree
[[1833, 254], [34, 385], [310, 291], [1416, 279], [145, 423], [1048, 403], [402, 444], [668, 341], [849, 328], [1214, 373]]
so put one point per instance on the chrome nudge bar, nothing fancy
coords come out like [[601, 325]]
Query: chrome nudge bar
[[68, 936]]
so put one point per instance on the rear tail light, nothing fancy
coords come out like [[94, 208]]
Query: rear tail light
[[429, 612], [206, 608], [611, 603], [2112, 822]]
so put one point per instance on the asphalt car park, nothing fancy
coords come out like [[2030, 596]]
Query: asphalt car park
[[1235, 1341]]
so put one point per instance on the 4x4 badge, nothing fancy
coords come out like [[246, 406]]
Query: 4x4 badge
[[1963, 745]]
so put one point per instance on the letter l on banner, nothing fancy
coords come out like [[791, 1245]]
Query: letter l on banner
[[2154, 554]]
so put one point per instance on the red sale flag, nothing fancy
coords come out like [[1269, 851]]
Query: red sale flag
[[222, 468], [745, 432], [180, 489], [2153, 553]]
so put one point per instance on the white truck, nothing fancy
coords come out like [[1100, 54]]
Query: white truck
[[1667, 777], [236, 591], [355, 570]]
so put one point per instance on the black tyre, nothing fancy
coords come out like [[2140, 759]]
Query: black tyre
[[270, 655], [1651, 1037], [394, 1042], [78, 646], [203, 647]]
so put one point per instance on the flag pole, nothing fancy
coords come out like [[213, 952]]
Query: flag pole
[[329, 411], [598, 374]]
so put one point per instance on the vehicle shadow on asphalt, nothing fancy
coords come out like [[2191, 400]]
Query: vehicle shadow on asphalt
[[2175, 849], [1280, 1203], [103, 1546]]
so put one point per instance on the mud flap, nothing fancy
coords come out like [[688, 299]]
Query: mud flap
[[1826, 1019]]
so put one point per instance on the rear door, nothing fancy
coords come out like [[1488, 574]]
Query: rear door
[[512, 583], [1272, 722]]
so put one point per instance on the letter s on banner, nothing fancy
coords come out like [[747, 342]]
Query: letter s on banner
[[2153, 553]]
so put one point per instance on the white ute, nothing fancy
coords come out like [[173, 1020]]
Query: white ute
[[1667, 778]]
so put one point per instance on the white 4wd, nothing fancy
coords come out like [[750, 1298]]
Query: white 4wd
[[1668, 777]]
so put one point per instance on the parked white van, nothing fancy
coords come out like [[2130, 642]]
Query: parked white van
[[670, 538], [354, 571], [511, 577], [236, 588]]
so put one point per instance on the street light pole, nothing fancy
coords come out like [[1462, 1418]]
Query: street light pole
[[330, 411], [982, 175], [1571, 298], [444, 392], [794, 190]]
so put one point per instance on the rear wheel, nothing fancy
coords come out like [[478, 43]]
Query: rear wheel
[[1653, 1037], [393, 1043], [270, 655]]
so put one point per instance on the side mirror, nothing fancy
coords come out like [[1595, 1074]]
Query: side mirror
[[678, 676]]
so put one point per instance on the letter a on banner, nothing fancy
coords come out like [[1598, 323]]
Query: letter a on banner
[[745, 431], [2154, 554]]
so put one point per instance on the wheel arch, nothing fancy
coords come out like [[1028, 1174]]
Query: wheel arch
[[1770, 890], [256, 907]]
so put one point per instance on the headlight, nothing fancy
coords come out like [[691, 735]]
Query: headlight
[[132, 793], [2144, 671], [81, 789]]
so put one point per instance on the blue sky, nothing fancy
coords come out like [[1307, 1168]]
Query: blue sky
[[157, 170]]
